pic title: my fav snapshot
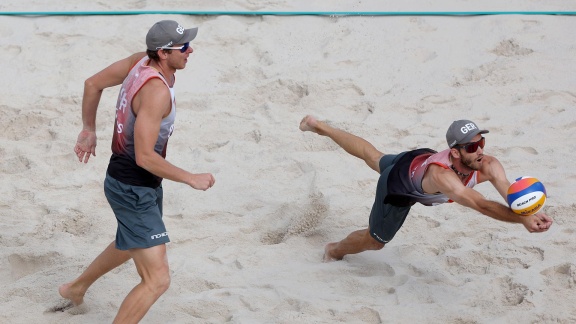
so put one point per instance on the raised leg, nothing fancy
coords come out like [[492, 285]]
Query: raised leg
[[352, 144]]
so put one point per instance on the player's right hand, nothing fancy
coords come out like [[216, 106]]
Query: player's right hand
[[85, 145]]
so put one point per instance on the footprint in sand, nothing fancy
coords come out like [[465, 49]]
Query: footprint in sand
[[65, 305], [23, 264], [561, 275], [512, 293], [523, 151], [510, 47], [15, 165]]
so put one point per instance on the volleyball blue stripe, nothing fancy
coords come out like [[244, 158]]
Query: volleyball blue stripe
[[535, 187]]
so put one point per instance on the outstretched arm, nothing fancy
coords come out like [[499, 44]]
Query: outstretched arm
[[111, 76], [447, 182], [493, 171]]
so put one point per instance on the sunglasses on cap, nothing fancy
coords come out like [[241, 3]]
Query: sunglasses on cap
[[182, 48], [473, 147]]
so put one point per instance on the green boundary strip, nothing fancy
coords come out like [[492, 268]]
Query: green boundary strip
[[287, 13]]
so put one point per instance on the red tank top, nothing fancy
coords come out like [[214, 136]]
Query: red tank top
[[421, 163], [122, 166]]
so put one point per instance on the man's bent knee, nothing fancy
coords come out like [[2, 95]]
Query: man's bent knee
[[159, 282], [164, 286], [156, 278]]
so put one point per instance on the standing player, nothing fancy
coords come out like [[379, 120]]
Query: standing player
[[145, 114]]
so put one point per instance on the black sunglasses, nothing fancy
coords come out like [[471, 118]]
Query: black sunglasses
[[473, 147]]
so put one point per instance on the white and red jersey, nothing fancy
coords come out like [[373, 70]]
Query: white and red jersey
[[418, 168], [122, 166]]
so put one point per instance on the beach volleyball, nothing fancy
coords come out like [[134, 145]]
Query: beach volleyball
[[526, 196]]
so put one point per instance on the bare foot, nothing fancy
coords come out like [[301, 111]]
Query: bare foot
[[68, 292], [308, 123], [328, 257], [65, 305], [72, 302]]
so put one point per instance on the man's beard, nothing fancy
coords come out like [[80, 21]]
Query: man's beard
[[469, 162]]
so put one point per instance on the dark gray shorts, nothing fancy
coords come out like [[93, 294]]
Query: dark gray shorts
[[138, 211], [386, 219]]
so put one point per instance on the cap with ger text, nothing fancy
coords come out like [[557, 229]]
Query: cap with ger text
[[462, 131], [167, 33]]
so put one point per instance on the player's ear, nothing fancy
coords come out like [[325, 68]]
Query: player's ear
[[455, 153], [163, 54]]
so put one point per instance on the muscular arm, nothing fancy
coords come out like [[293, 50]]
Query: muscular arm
[[448, 183], [493, 171], [152, 104], [111, 76]]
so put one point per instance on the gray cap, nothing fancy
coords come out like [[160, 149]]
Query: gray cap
[[462, 132], [167, 33]]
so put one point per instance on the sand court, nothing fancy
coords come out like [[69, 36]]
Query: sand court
[[250, 249]]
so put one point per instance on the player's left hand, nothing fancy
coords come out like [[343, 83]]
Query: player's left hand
[[85, 145]]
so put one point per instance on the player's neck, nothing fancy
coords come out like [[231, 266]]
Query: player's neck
[[164, 71], [459, 173]]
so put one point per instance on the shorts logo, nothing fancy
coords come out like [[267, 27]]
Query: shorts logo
[[157, 236], [379, 238]]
